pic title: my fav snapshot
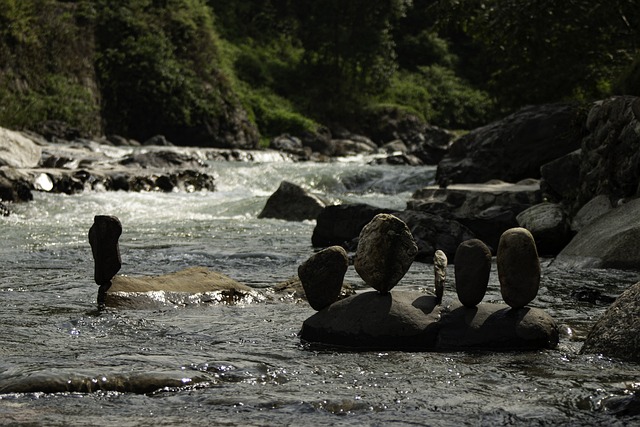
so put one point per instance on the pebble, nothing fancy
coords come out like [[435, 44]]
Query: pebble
[[322, 276], [386, 250], [472, 270], [518, 267]]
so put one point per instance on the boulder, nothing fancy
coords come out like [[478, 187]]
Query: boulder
[[518, 267], [292, 290], [472, 270], [560, 178], [496, 327], [322, 276], [386, 250], [592, 210], [18, 151], [617, 332], [549, 225], [410, 321], [610, 162], [513, 148], [433, 232], [341, 224], [195, 285], [162, 159], [486, 210], [292, 203], [610, 241]]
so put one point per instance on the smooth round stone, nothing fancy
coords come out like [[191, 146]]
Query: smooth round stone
[[322, 276], [518, 267], [472, 270], [385, 252]]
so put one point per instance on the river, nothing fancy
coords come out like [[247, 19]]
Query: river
[[244, 365]]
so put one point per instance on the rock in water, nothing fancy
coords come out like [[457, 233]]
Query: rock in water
[[518, 267], [292, 203], [322, 276], [440, 273], [103, 237], [385, 252], [617, 332], [472, 270]]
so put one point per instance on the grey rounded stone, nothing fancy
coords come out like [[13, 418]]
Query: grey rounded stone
[[322, 276], [518, 267], [472, 270], [385, 252]]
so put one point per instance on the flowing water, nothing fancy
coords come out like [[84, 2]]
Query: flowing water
[[244, 364]]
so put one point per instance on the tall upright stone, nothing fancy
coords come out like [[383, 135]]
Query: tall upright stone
[[385, 252], [472, 270], [518, 267], [440, 262], [103, 238]]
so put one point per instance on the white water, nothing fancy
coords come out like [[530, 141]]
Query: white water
[[244, 365]]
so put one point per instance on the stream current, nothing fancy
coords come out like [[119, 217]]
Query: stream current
[[245, 365]]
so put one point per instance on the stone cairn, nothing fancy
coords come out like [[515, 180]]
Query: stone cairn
[[386, 250], [103, 238]]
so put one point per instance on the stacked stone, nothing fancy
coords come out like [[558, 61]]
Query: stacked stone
[[322, 276], [472, 270], [386, 250], [103, 238], [440, 262], [518, 267]]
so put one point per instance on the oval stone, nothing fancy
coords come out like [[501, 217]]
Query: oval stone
[[472, 270], [518, 267], [322, 276], [385, 252]]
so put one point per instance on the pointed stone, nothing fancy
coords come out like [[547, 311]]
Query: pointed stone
[[385, 252], [472, 270], [322, 276], [518, 267], [103, 238]]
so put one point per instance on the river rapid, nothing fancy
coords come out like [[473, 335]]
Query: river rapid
[[245, 365]]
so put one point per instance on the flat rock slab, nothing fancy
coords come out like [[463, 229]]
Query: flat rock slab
[[411, 321], [191, 286]]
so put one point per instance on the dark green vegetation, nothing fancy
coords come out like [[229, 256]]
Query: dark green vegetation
[[189, 68]]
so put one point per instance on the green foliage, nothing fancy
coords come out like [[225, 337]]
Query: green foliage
[[440, 97], [157, 66]]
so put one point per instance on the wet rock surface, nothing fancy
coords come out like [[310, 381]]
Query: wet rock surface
[[292, 203], [322, 276]]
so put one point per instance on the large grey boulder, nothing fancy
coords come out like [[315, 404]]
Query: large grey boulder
[[610, 241], [549, 225], [292, 203], [617, 332], [386, 250], [411, 321], [322, 276], [592, 210], [513, 148], [560, 178], [18, 151]]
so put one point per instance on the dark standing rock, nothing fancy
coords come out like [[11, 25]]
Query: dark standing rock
[[292, 203], [518, 267], [322, 276], [472, 270], [617, 332], [513, 148], [385, 252], [341, 224], [103, 237], [549, 225]]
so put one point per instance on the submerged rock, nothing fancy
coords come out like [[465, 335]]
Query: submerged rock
[[322, 276], [386, 250], [518, 267], [617, 332]]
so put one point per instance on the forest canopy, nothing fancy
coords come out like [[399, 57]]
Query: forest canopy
[[139, 67]]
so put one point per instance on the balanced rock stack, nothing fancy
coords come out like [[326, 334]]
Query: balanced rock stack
[[472, 270], [518, 267], [386, 250]]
